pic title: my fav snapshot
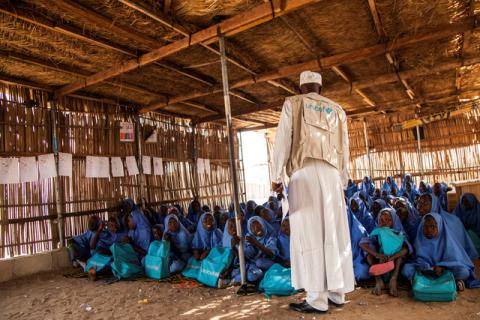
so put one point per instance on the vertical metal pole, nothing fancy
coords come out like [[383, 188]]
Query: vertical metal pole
[[243, 164], [365, 133], [195, 161], [58, 193], [419, 150], [233, 169], [141, 176]]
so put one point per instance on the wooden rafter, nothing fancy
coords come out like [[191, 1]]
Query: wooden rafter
[[231, 26], [330, 61]]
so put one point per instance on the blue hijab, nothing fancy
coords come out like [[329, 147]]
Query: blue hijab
[[252, 203], [413, 219], [440, 201], [107, 238], [442, 251], [122, 215], [363, 215], [273, 220], [388, 186], [182, 238], [142, 233], [193, 216], [226, 237], [404, 183], [268, 240], [470, 217], [351, 189], [283, 244], [367, 187], [357, 233], [428, 187], [204, 239]]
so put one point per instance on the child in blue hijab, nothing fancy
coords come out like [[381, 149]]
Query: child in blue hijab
[[139, 233], [357, 233], [357, 207], [231, 241], [424, 206], [439, 196], [250, 209], [410, 193], [194, 213], [206, 237], [271, 218], [79, 246], [388, 184], [367, 186], [409, 217], [378, 205], [351, 189], [180, 243], [424, 187], [468, 211], [284, 243], [375, 247], [407, 178], [438, 250]]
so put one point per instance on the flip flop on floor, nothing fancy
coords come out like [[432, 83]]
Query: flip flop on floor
[[247, 289]]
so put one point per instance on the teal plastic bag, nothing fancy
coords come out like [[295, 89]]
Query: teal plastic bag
[[192, 268], [441, 289], [125, 263], [277, 282], [217, 260], [98, 262], [390, 241], [475, 239], [156, 261]]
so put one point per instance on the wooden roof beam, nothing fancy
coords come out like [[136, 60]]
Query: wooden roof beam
[[333, 60], [231, 26]]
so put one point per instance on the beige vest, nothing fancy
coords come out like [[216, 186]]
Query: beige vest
[[318, 126]]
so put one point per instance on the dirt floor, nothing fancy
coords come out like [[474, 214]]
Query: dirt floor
[[53, 296]]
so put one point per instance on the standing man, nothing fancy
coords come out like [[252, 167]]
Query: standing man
[[312, 143]]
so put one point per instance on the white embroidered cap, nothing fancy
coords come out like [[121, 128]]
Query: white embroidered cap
[[310, 77]]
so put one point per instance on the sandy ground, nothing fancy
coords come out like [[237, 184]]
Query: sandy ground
[[52, 296]]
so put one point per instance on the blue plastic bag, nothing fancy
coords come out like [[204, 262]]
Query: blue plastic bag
[[156, 261], [217, 260], [277, 281], [441, 289], [98, 261], [192, 268], [125, 263], [390, 241]]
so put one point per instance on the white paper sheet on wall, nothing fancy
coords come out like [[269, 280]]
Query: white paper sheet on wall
[[158, 166], [46, 166], [200, 166], [206, 163], [147, 164], [117, 167], [65, 164], [97, 167], [132, 166], [9, 171], [28, 169]]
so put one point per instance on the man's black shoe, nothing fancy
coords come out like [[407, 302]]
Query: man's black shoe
[[304, 307]]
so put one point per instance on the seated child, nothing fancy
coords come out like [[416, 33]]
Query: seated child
[[206, 237], [79, 246], [438, 250], [157, 232], [378, 205], [357, 233], [409, 217], [194, 213], [139, 233], [180, 243], [260, 249], [468, 211], [425, 206], [250, 209], [284, 243], [375, 249], [271, 218], [358, 208]]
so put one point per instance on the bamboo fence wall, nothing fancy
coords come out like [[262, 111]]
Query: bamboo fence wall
[[28, 213]]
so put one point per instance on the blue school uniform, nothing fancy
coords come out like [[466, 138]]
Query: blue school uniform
[[413, 220], [350, 191], [362, 214], [252, 204], [387, 187], [204, 239], [192, 216], [442, 251], [357, 233], [470, 217], [81, 245], [141, 235], [283, 244], [180, 245], [273, 221]]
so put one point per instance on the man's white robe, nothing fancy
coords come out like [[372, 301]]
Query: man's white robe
[[320, 247]]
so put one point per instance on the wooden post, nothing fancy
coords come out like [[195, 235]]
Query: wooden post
[[365, 133], [419, 150], [141, 175], [195, 190], [240, 145], [57, 185], [233, 169]]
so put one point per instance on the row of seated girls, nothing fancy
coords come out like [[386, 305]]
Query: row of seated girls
[[127, 236], [412, 228]]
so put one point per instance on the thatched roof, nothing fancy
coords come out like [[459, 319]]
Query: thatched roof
[[56, 43]]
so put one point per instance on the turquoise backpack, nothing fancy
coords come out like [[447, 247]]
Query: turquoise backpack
[[125, 263], [390, 241], [277, 281], [156, 260], [217, 260], [98, 262], [441, 289], [192, 269]]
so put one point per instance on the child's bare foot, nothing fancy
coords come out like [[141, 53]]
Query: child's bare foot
[[379, 286], [393, 287], [460, 286], [92, 274]]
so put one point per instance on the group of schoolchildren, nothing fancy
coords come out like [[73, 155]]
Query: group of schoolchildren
[[408, 231], [395, 232], [126, 239]]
